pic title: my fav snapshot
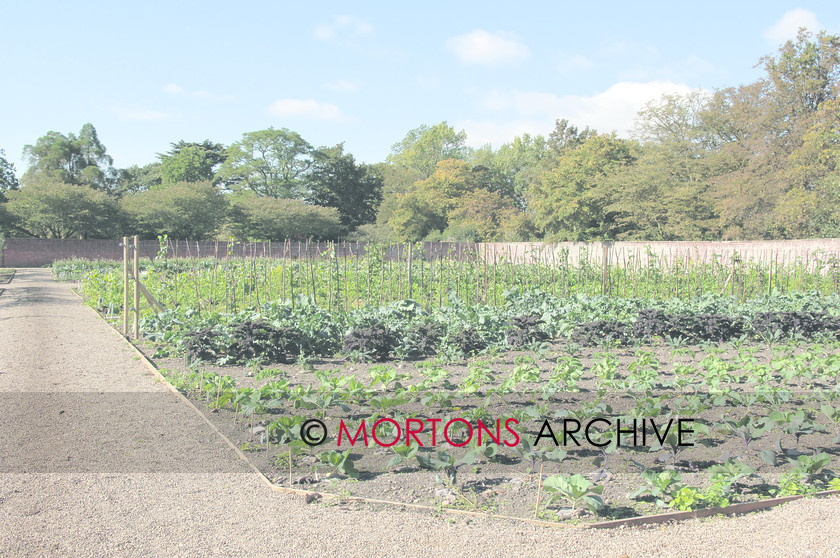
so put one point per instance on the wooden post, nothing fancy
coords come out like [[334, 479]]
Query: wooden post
[[136, 287], [125, 285], [605, 268], [770, 275], [410, 290]]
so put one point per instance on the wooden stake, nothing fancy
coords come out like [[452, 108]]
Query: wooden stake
[[125, 286], [136, 287]]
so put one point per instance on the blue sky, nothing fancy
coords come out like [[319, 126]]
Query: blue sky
[[365, 73]]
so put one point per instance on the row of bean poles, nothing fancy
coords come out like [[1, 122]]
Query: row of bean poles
[[348, 275]]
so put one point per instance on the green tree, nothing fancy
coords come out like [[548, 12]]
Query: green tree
[[565, 136], [138, 179], [8, 178], [337, 181], [762, 124], [566, 200], [191, 161], [216, 152], [270, 163], [190, 164], [416, 215], [482, 216], [52, 209], [512, 168], [663, 195], [425, 146], [279, 219], [651, 199], [185, 210], [426, 207], [70, 159]]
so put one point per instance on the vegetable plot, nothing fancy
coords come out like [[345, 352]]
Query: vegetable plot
[[563, 408]]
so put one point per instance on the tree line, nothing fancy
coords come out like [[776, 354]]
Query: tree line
[[754, 161]]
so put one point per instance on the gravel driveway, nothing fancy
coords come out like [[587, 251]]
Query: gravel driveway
[[97, 458]]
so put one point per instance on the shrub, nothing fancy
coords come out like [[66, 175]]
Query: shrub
[[805, 324], [525, 330], [602, 331], [375, 342], [469, 341], [203, 344], [421, 340], [256, 339]]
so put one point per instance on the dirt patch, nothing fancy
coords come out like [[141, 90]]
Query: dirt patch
[[508, 481]]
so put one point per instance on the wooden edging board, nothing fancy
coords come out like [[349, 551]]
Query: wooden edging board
[[734, 509]]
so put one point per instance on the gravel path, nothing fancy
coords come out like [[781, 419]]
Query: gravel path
[[97, 458]]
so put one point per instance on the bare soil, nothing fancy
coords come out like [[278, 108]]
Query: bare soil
[[507, 483]]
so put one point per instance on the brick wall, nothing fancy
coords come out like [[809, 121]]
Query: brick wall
[[29, 252]]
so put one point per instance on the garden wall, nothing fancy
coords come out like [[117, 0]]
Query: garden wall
[[30, 252]]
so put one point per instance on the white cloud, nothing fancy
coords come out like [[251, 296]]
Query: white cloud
[[788, 26], [480, 133], [342, 85], [342, 28], [535, 112], [173, 89], [134, 113], [488, 49], [307, 108]]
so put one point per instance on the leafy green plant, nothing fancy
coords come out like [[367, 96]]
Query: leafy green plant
[[402, 454], [444, 463], [339, 462], [689, 498], [575, 490], [659, 486], [376, 342]]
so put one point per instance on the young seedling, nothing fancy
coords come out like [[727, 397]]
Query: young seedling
[[747, 429], [730, 474], [659, 485], [446, 464], [575, 490], [339, 462], [402, 454]]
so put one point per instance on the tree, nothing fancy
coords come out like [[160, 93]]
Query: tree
[[813, 212], [653, 199], [566, 136], [426, 208], [337, 181], [138, 179], [482, 216], [216, 152], [70, 159], [566, 200], [760, 126], [270, 163], [185, 210], [425, 146], [512, 168], [8, 179], [51, 209], [190, 164], [416, 214], [191, 161], [663, 195], [278, 219]]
